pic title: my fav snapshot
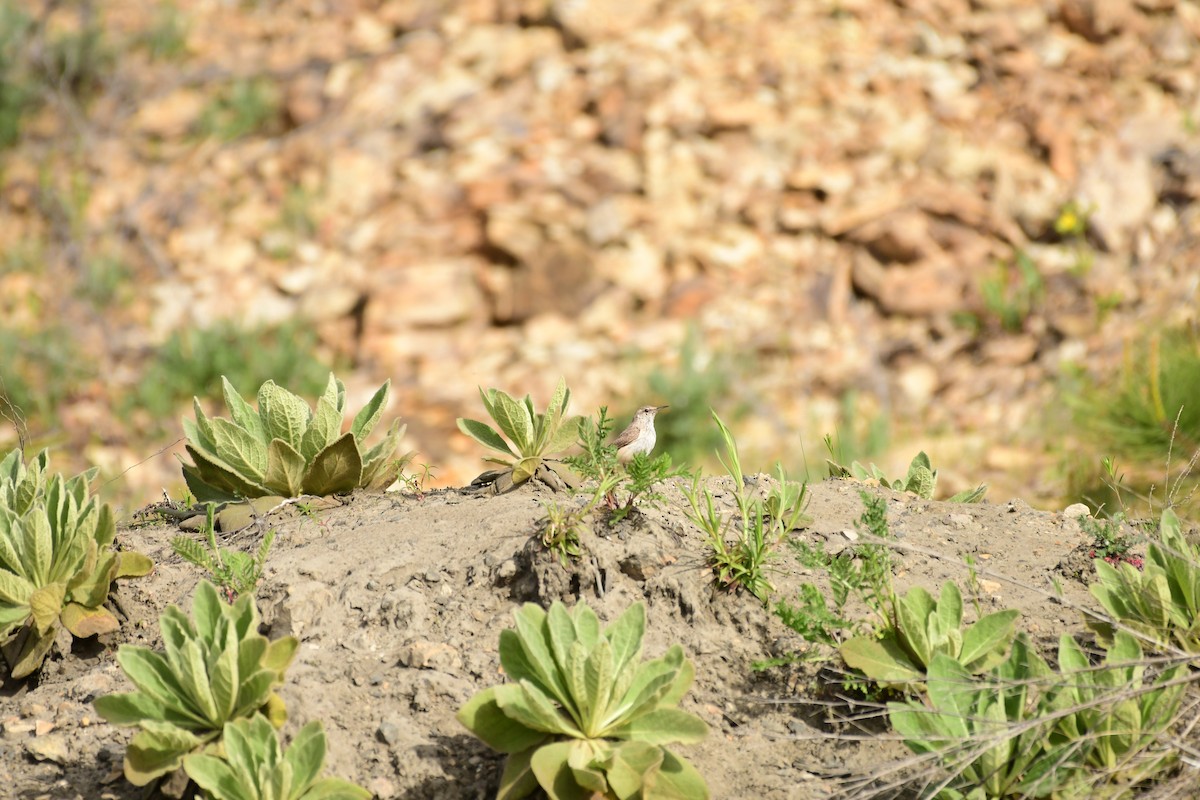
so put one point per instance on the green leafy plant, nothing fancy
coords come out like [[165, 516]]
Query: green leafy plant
[[1108, 540], [560, 529], [1113, 721], [863, 572], [245, 107], [533, 436], [741, 547], [1025, 730], [166, 36], [921, 478], [285, 448], [584, 717], [57, 562], [990, 732], [1014, 292], [216, 668], [1160, 602], [643, 476], [235, 572], [922, 627], [254, 767], [1147, 408], [411, 483], [18, 91]]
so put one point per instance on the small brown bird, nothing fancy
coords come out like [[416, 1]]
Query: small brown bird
[[639, 437]]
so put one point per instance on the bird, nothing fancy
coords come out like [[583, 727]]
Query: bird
[[639, 437]]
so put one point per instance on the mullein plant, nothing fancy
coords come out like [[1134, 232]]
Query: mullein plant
[[532, 437], [215, 668], [583, 716], [286, 449], [57, 560]]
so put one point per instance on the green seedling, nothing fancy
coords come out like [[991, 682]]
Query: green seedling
[[235, 572], [216, 668], [921, 478], [584, 716], [863, 572], [741, 546], [254, 766], [533, 436], [57, 561], [285, 448]]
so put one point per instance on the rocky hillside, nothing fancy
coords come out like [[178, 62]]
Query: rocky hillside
[[929, 205]]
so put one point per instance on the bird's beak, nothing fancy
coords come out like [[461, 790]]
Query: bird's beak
[[660, 408]]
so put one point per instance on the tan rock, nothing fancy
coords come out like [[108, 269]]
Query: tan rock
[[430, 295], [171, 115]]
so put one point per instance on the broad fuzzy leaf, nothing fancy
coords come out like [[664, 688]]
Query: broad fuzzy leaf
[[241, 412], [483, 717], [515, 422], [285, 469], [285, 416], [883, 661], [984, 643], [551, 766], [336, 470], [485, 435], [517, 780], [323, 429], [83, 622], [240, 450], [367, 418], [664, 726], [157, 749], [525, 468], [27, 651]]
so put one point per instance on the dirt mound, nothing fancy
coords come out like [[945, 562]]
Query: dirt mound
[[398, 602]]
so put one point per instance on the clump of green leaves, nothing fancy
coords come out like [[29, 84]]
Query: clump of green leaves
[[921, 478], [1025, 730], [560, 529], [235, 572], [741, 546], [987, 731], [1109, 542], [921, 628], [584, 716], [1160, 602], [57, 561], [1014, 292], [216, 668], [1114, 719], [533, 436], [254, 766], [285, 448], [863, 571], [1147, 409], [245, 107], [18, 90]]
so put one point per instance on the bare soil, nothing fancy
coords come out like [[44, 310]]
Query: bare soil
[[398, 602]]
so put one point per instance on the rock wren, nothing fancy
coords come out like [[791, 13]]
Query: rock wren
[[639, 437]]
